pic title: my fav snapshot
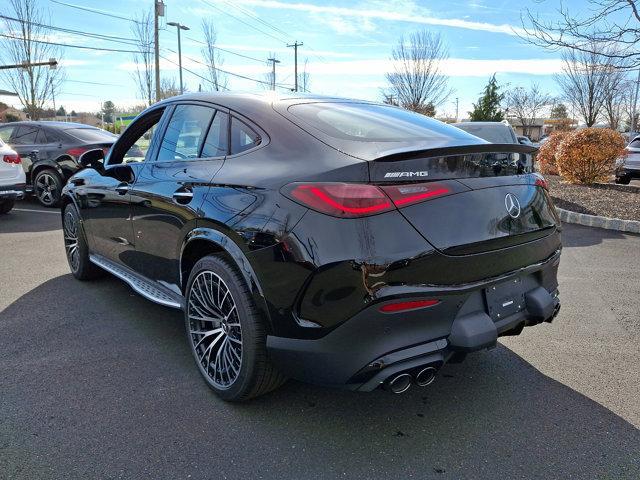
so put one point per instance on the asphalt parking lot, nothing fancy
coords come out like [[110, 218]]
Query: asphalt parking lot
[[96, 382]]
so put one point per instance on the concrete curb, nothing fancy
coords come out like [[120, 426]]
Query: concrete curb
[[567, 216]]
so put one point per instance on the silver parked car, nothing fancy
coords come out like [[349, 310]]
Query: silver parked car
[[629, 166]]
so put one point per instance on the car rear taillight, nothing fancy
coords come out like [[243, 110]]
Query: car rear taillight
[[352, 200], [346, 200], [12, 159], [407, 306], [541, 182], [410, 193], [77, 151]]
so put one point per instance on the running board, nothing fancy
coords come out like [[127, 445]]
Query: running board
[[149, 290]]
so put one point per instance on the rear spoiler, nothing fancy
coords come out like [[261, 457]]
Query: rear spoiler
[[408, 153]]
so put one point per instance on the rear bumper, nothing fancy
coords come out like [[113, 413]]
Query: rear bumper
[[12, 191], [364, 351]]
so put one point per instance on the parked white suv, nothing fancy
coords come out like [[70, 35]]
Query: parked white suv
[[12, 178]]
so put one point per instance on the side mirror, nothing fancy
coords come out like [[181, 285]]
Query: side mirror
[[92, 159]]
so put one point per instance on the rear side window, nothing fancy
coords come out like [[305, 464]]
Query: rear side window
[[25, 135], [243, 137], [490, 133], [635, 143], [91, 135], [185, 132], [5, 133], [373, 123], [217, 141]]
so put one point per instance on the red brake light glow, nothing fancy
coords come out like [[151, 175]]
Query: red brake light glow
[[12, 159], [351, 200], [76, 152], [342, 199], [406, 306], [541, 182]]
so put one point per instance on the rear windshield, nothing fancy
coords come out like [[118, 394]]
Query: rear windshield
[[93, 135], [373, 123], [490, 133]]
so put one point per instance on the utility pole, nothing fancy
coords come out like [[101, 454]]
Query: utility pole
[[158, 12], [178, 28], [273, 72], [457, 104], [295, 61]]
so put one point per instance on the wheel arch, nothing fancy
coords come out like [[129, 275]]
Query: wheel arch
[[46, 166], [201, 242]]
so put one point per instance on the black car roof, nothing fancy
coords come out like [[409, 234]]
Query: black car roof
[[56, 124]]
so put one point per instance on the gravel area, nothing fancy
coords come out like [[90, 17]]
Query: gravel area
[[606, 200]]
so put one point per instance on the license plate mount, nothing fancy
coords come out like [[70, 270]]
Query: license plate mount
[[505, 299]]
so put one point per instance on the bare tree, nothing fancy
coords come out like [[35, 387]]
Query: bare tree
[[593, 25], [617, 86], [142, 29], [304, 77], [169, 88], [212, 56], [526, 105], [23, 43], [416, 80], [585, 79]]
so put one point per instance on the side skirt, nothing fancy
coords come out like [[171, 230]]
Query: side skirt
[[147, 288]]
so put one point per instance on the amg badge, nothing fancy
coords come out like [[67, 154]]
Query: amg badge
[[406, 174]]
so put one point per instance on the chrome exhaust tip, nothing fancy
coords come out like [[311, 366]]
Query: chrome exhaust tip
[[426, 376], [400, 383]]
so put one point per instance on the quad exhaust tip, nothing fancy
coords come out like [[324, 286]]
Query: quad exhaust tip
[[400, 383], [426, 376]]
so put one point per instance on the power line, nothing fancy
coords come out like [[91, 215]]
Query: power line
[[227, 51], [96, 83], [242, 21], [249, 13], [92, 10], [192, 72], [71, 46], [109, 38]]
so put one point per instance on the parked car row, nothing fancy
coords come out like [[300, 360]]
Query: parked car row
[[49, 152], [628, 167]]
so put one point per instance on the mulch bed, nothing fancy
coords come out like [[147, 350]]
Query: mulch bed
[[602, 199]]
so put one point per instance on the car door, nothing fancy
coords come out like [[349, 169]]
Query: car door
[[170, 189], [106, 197]]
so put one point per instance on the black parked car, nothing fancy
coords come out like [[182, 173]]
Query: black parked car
[[333, 241], [50, 152]]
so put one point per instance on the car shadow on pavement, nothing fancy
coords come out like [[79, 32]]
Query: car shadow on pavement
[[97, 382], [574, 235], [29, 217]]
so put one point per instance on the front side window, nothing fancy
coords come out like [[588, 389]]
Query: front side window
[[243, 137], [185, 132], [25, 135]]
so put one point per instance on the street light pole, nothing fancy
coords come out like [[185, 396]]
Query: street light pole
[[178, 28], [158, 11]]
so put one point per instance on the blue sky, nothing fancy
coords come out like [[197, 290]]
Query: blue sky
[[347, 44]]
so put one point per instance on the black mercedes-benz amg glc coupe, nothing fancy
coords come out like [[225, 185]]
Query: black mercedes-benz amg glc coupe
[[333, 241]]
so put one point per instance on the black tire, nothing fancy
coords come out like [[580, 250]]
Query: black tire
[[624, 180], [6, 205], [75, 246], [47, 187], [255, 375]]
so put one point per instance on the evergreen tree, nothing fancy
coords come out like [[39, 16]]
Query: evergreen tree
[[559, 111], [488, 107], [61, 112], [108, 109]]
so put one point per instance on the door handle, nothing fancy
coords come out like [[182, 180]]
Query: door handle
[[122, 189], [183, 196]]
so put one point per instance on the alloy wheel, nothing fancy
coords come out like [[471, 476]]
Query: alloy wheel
[[46, 188], [214, 329], [70, 228]]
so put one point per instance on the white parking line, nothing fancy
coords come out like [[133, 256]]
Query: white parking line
[[37, 211]]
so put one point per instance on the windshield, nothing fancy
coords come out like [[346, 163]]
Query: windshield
[[373, 123], [93, 135], [491, 133]]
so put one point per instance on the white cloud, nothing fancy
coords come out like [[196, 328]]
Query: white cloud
[[382, 14]]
